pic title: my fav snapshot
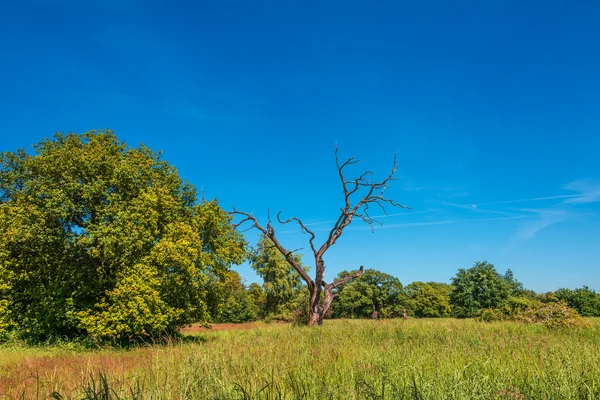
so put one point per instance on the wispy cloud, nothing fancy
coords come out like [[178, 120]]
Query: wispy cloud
[[475, 208], [544, 219], [444, 191], [589, 191], [458, 194], [564, 196], [443, 222], [414, 224], [553, 209], [402, 214]]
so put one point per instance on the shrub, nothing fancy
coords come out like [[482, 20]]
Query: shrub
[[516, 305], [492, 314], [552, 315], [584, 300]]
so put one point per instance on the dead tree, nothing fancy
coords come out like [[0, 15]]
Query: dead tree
[[322, 293]]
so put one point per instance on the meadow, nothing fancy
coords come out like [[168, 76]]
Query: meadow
[[344, 359]]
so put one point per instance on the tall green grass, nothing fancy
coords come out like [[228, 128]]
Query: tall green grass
[[345, 359]]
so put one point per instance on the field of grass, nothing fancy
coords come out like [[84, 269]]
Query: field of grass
[[344, 359]]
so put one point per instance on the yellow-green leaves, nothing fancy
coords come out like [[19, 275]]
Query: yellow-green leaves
[[101, 239]]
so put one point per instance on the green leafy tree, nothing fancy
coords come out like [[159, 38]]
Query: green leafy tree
[[102, 239], [282, 284], [230, 301], [585, 300], [372, 291], [516, 287], [429, 300], [258, 298], [476, 288]]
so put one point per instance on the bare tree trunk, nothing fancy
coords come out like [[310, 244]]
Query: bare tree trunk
[[320, 305]]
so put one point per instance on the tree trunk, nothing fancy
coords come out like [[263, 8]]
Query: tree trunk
[[320, 305]]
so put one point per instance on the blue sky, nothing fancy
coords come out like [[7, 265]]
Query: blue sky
[[493, 109]]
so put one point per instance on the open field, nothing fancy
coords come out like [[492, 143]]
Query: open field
[[345, 359]]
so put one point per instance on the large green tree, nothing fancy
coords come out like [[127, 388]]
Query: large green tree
[[478, 287], [103, 239], [372, 291], [429, 300]]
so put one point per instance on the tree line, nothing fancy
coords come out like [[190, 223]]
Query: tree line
[[106, 241], [473, 292]]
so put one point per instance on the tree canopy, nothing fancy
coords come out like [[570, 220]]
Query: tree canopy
[[102, 239], [478, 287], [429, 300], [372, 291], [281, 283]]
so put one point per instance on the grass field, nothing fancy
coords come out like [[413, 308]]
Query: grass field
[[345, 359]]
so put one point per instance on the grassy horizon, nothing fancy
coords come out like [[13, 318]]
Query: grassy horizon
[[344, 359]]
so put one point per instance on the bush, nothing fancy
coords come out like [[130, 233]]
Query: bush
[[238, 308], [552, 315], [523, 309], [5, 321], [491, 314], [516, 305], [584, 300]]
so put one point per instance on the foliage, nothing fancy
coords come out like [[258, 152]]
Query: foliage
[[5, 313], [515, 287], [429, 300], [491, 314], [476, 288], [515, 305], [511, 309], [102, 239], [548, 297], [372, 291], [552, 315], [532, 311], [282, 285], [258, 297], [228, 299], [584, 300]]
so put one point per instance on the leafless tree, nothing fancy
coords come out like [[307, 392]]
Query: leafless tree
[[368, 193]]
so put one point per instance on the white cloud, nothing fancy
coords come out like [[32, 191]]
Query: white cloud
[[589, 191]]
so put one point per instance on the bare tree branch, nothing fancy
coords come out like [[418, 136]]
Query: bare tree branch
[[302, 226], [348, 277], [373, 193], [349, 212], [270, 233]]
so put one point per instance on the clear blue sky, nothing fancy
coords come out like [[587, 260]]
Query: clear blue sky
[[493, 108]]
